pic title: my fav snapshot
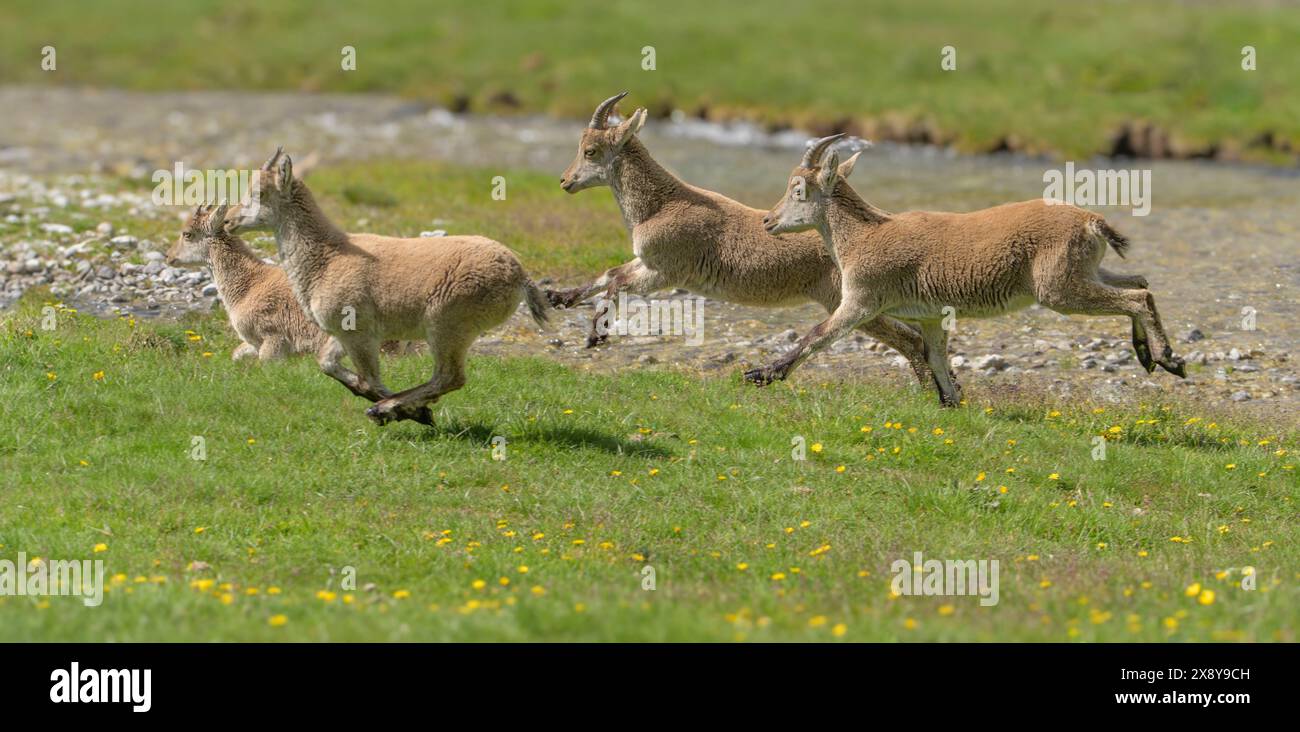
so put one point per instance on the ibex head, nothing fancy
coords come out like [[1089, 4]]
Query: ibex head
[[206, 226], [272, 190], [811, 184], [600, 146]]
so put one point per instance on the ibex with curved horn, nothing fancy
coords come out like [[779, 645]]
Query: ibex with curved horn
[[689, 237], [914, 265]]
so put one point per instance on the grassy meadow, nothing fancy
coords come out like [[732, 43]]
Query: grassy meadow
[[1057, 77], [690, 475]]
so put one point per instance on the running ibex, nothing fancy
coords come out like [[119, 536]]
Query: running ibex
[[688, 237], [364, 288], [913, 265]]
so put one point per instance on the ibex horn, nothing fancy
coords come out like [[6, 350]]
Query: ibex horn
[[270, 163], [601, 115], [814, 153]]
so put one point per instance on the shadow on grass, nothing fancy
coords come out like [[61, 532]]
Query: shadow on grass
[[482, 434]]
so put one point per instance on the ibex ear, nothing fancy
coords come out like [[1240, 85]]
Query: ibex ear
[[828, 171], [217, 218], [846, 168], [230, 220], [285, 177], [631, 126]]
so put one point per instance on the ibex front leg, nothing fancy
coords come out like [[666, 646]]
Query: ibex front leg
[[844, 319], [936, 354], [328, 358]]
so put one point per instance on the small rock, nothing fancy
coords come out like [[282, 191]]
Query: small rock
[[993, 361], [647, 359], [210, 290], [1240, 396], [125, 241], [432, 234], [104, 229], [56, 228], [1194, 336], [154, 256]]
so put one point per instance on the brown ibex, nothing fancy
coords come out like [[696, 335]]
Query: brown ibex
[[913, 265], [364, 288], [692, 238]]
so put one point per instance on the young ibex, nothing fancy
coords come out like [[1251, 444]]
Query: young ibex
[[363, 288], [912, 265], [256, 295], [688, 237]]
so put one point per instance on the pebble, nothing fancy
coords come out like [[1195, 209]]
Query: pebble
[[993, 361]]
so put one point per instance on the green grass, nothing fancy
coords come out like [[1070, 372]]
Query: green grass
[[1059, 76], [427, 512], [604, 476]]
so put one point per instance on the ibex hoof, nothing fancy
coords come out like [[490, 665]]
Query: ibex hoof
[[381, 416], [1176, 367], [560, 298], [424, 416], [1143, 354], [596, 340], [760, 377]]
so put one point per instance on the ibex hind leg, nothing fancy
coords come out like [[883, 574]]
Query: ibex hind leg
[[1090, 297], [1141, 344]]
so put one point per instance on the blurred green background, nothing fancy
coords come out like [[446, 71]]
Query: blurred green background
[[1037, 76]]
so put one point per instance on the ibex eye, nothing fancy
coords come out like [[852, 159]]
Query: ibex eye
[[590, 153]]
